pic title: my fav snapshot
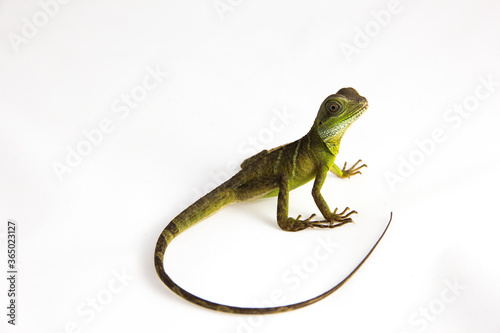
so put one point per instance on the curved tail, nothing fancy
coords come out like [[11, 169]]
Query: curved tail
[[180, 223]]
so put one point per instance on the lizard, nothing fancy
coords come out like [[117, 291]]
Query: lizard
[[276, 172]]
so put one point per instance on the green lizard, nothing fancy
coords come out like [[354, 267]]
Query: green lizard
[[275, 173]]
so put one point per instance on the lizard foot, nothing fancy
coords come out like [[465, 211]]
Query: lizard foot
[[335, 220], [354, 170], [291, 224], [306, 220]]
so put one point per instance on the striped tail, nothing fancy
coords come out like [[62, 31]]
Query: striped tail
[[200, 210]]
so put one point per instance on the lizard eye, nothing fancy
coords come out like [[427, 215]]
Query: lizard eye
[[333, 107]]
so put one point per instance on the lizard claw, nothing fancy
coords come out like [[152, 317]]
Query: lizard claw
[[306, 220], [354, 170], [342, 216], [335, 220], [330, 224]]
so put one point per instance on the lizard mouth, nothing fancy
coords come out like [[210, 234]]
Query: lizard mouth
[[359, 112], [364, 107]]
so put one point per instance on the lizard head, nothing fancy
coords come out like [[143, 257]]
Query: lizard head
[[338, 112]]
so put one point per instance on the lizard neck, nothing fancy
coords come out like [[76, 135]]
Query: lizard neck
[[330, 139]]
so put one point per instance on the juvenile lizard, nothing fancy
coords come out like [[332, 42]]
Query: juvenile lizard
[[275, 173]]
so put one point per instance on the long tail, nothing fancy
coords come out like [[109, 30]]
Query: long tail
[[201, 209]]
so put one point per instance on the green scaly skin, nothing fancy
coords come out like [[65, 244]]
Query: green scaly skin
[[275, 173]]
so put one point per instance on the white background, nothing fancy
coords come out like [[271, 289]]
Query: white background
[[242, 76]]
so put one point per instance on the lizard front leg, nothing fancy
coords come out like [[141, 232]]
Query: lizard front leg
[[347, 173], [332, 219]]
